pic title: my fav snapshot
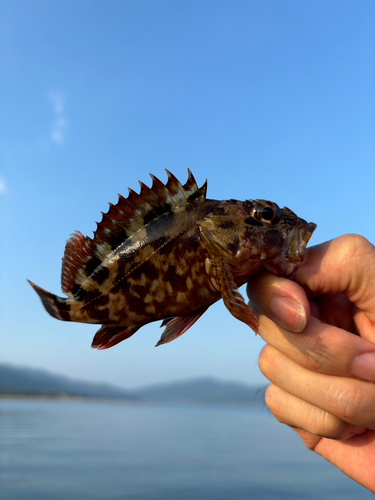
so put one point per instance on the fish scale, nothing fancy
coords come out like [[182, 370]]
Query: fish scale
[[168, 253]]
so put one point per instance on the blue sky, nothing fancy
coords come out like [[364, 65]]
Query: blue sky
[[265, 99]]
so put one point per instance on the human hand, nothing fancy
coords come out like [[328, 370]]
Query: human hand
[[321, 376]]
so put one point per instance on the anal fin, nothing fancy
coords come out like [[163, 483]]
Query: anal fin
[[108, 336], [175, 327]]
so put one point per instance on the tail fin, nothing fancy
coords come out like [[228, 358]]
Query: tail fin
[[54, 305]]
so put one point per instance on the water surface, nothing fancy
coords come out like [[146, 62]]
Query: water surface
[[90, 449]]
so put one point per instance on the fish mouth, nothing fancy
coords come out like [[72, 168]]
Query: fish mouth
[[293, 251], [298, 242], [295, 247]]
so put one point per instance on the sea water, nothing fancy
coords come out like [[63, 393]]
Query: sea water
[[91, 449]]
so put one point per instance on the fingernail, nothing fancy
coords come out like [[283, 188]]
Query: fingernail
[[364, 366], [289, 313]]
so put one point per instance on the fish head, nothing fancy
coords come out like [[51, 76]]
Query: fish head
[[276, 236]]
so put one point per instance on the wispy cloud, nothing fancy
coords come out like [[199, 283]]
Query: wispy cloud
[[57, 134]]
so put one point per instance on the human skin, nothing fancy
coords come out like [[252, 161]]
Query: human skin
[[320, 352]]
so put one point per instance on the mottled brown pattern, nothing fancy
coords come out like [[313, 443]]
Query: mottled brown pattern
[[168, 253]]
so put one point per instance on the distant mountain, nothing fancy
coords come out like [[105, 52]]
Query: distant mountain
[[202, 390], [30, 381]]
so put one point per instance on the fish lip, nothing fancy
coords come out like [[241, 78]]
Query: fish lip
[[295, 253], [300, 237]]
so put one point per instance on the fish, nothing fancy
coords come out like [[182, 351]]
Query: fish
[[169, 253]]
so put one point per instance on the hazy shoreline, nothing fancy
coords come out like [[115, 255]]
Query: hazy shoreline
[[143, 402], [22, 382]]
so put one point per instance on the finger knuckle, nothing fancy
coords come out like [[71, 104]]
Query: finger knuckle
[[272, 402], [316, 356], [267, 361], [332, 427], [349, 404], [352, 246]]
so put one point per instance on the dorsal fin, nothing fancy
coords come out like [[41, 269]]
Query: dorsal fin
[[77, 252], [131, 214], [83, 254]]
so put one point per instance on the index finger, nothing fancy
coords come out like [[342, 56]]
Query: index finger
[[323, 348]]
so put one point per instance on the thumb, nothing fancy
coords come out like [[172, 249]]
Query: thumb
[[343, 265]]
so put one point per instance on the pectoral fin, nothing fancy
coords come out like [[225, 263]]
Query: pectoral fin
[[233, 300]]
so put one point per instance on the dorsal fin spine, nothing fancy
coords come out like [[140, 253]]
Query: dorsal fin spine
[[122, 220], [190, 183], [173, 185]]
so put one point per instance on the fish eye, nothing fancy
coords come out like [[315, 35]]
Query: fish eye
[[266, 213]]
